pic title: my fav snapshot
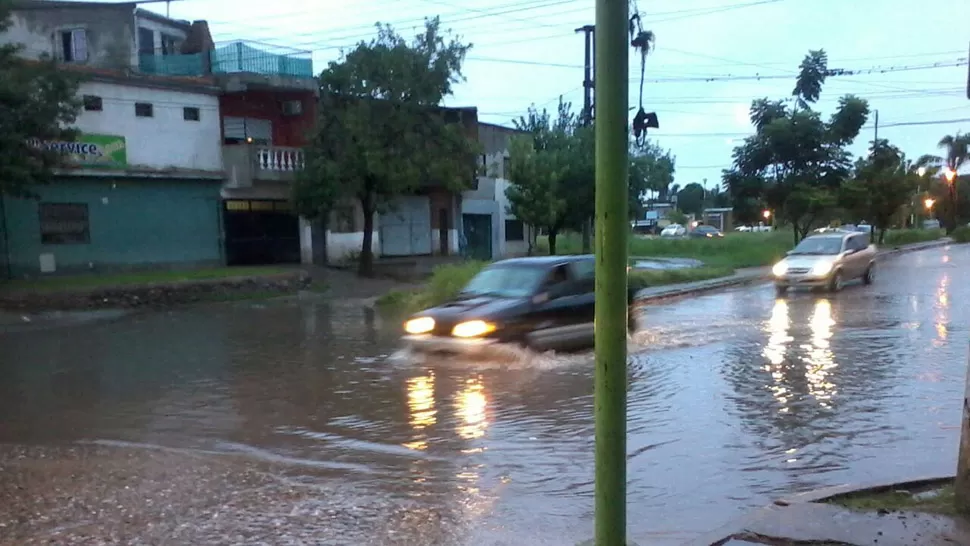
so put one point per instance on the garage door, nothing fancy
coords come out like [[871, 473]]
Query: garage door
[[406, 229]]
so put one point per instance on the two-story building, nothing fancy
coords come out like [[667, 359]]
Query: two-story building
[[209, 139], [143, 184], [489, 230]]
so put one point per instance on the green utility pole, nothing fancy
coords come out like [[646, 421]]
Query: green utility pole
[[612, 52]]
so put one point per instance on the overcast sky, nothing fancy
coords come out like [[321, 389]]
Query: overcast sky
[[701, 78]]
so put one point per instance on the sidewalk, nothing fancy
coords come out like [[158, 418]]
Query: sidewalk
[[753, 275]]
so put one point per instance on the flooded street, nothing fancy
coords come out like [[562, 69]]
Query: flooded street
[[299, 422]]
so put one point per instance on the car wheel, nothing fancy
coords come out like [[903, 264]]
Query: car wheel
[[835, 284], [781, 290], [870, 275]]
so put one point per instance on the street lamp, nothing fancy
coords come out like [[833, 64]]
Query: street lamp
[[921, 171], [950, 175], [766, 214], [928, 203]]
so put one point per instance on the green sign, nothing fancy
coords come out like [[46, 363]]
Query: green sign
[[90, 150]]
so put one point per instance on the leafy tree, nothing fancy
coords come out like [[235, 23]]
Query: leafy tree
[[677, 217], [536, 198], [651, 170], [381, 133], [37, 103], [557, 169], [957, 154], [796, 162], [883, 183], [690, 200]]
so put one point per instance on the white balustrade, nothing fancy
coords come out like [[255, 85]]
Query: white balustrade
[[272, 158]]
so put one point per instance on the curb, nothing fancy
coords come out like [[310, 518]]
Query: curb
[[730, 282], [835, 491]]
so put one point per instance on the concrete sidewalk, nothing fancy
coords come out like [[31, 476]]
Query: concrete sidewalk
[[753, 275]]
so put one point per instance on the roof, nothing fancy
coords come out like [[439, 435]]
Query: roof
[[834, 234], [545, 261]]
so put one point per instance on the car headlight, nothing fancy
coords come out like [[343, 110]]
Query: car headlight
[[822, 268], [472, 328], [421, 325], [779, 269]]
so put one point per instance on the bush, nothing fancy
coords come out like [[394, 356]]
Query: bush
[[961, 234], [445, 284], [900, 237]]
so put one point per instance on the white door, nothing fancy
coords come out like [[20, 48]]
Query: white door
[[406, 229]]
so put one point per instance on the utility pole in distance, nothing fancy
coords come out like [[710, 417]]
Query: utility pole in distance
[[589, 32]]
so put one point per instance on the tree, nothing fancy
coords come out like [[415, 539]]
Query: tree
[[557, 169], [381, 132], [957, 148], [882, 184], [690, 200], [796, 162], [38, 103], [651, 170]]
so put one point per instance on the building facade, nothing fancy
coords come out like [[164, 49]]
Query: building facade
[[141, 187], [489, 230]]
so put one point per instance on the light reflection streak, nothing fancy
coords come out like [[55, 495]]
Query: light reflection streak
[[942, 308], [821, 360], [471, 406], [421, 408], [778, 327]]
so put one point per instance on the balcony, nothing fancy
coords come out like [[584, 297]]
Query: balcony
[[249, 163], [269, 63]]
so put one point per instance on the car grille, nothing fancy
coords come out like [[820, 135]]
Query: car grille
[[799, 270], [443, 328]]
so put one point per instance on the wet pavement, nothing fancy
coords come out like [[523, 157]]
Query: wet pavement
[[299, 422]]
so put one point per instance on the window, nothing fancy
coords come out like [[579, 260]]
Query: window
[[344, 220], [144, 110], [191, 113], [64, 223], [73, 45], [584, 269], [93, 103], [170, 45], [146, 41], [514, 230]]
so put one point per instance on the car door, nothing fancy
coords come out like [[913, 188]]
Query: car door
[[854, 266], [555, 315]]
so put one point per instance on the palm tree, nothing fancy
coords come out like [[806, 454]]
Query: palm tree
[[957, 149]]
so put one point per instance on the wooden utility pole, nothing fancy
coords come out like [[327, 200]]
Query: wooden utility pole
[[962, 486], [612, 167]]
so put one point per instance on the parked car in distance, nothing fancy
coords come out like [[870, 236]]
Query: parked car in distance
[[543, 303], [674, 230], [931, 224], [760, 228], [705, 232], [827, 260]]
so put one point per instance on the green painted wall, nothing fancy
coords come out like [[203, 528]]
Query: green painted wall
[[134, 223]]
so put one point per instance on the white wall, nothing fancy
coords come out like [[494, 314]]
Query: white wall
[[341, 246], [508, 248], [165, 140]]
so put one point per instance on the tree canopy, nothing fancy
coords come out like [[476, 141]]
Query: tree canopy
[[381, 132], [796, 161], [553, 173], [882, 184], [38, 103]]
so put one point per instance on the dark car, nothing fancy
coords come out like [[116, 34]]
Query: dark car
[[543, 303], [706, 232]]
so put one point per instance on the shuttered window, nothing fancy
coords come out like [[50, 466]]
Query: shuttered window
[[239, 130]]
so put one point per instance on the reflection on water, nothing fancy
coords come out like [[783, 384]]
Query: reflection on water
[[421, 408], [941, 309], [821, 360], [776, 350], [471, 404]]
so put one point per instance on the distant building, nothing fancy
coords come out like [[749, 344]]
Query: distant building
[[489, 229], [721, 218]]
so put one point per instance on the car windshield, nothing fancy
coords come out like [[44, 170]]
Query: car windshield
[[505, 282], [819, 246]]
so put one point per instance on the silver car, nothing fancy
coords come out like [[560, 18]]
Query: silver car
[[827, 260]]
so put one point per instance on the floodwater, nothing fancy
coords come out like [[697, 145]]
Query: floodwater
[[299, 422]]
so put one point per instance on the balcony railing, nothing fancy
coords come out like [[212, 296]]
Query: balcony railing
[[279, 159], [172, 65], [248, 163], [233, 58]]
